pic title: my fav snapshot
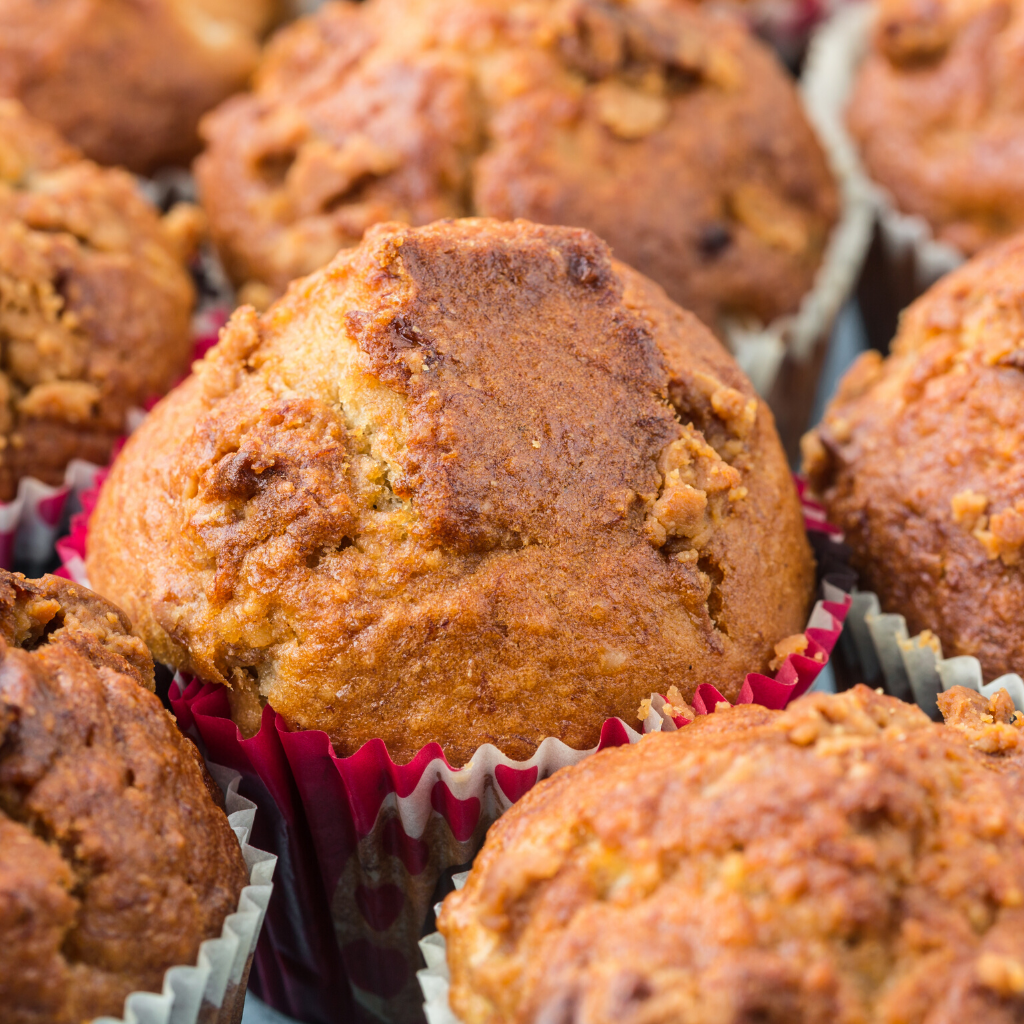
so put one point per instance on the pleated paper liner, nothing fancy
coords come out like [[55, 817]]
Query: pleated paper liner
[[435, 979], [878, 649], [905, 258], [363, 843], [212, 991]]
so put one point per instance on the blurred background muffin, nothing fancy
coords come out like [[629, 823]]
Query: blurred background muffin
[[938, 114], [115, 861], [919, 460], [845, 860], [95, 301], [127, 81], [666, 129], [472, 482]]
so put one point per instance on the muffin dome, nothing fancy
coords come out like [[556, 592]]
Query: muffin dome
[[128, 81], [115, 863], [665, 129], [472, 482], [95, 302], [938, 112], [846, 860], [919, 460]]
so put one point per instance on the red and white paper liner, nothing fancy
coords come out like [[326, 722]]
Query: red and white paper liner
[[362, 843], [212, 991], [910, 258]]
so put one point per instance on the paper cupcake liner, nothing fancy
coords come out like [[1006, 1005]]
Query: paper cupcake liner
[[910, 258], [212, 991], [879, 650], [435, 979], [363, 843]]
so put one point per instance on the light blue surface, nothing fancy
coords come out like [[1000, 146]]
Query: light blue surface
[[257, 1012]]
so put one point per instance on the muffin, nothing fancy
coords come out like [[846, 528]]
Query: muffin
[[845, 860], [938, 113], [667, 130], [125, 81], [472, 482], [115, 862], [95, 301], [918, 459]]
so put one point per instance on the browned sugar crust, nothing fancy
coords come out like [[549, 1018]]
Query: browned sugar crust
[[95, 301], [115, 863], [470, 483], [844, 861], [918, 459], [938, 112], [667, 130], [125, 81]]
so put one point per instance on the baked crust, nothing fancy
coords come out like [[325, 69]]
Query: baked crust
[[472, 482], [95, 301], [845, 861], [115, 863], [938, 113], [667, 130], [127, 82], [918, 460]]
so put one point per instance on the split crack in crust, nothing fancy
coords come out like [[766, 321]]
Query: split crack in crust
[[94, 302], [845, 861], [918, 460], [471, 482], [115, 863], [664, 129]]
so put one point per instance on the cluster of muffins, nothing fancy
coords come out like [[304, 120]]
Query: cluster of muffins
[[472, 465]]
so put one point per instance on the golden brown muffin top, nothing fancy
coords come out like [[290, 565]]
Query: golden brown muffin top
[[127, 81], [918, 459], [938, 111], [115, 863], [846, 860], [95, 301], [471, 482], [667, 130]]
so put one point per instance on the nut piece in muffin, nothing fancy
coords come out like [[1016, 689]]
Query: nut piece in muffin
[[95, 301], [472, 482], [938, 113], [115, 863], [845, 861], [126, 81], [667, 130], [919, 460]]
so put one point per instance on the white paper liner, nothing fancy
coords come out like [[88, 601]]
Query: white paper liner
[[213, 990], [913, 668], [833, 58], [434, 979]]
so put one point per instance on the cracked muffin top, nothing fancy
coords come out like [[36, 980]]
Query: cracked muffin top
[[115, 862], [845, 861], [667, 130], [938, 112], [472, 482], [918, 459], [95, 301], [127, 81]]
